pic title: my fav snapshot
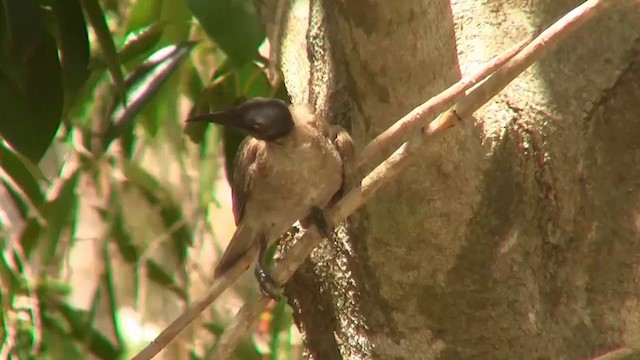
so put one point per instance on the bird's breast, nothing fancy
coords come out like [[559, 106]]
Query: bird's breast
[[290, 181]]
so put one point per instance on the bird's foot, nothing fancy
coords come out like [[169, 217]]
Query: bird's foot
[[316, 215], [268, 286]]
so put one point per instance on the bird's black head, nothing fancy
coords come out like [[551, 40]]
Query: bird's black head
[[264, 119]]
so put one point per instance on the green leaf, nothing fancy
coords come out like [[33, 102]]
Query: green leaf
[[194, 356], [21, 176], [74, 44], [214, 328], [143, 13], [131, 254], [53, 288], [178, 15], [277, 321], [13, 280], [159, 275], [30, 236], [245, 349], [193, 84], [31, 93], [221, 94], [143, 83], [56, 345], [60, 214], [209, 169], [140, 41], [255, 81], [163, 111], [98, 23], [4, 319], [233, 24], [109, 284], [20, 38], [97, 343], [95, 306], [196, 131], [170, 211]]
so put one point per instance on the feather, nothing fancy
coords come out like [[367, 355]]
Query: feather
[[241, 186], [242, 181], [240, 243]]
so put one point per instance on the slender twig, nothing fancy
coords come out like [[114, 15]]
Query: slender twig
[[218, 287], [34, 301], [417, 117], [531, 53], [382, 173], [13, 185]]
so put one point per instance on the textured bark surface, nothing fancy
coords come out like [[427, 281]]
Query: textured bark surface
[[514, 236]]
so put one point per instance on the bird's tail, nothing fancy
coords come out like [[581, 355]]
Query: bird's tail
[[241, 242]]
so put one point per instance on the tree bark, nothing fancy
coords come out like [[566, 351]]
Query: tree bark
[[515, 235]]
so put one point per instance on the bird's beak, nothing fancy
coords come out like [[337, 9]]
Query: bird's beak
[[231, 118], [225, 118]]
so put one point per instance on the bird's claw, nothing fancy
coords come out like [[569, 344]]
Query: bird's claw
[[320, 221], [268, 286]]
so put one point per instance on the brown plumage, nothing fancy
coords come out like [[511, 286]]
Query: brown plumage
[[292, 162]]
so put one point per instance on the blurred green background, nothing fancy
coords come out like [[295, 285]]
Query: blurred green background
[[110, 210]]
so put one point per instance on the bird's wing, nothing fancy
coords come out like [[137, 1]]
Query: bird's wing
[[242, 179]]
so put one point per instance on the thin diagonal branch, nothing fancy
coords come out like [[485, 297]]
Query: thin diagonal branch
[[428, 111], [531, 53], [197, 307]]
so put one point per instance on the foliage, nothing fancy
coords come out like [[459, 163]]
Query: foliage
[[92, 95]]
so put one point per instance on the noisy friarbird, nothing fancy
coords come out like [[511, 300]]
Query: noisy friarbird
[[290, 167]]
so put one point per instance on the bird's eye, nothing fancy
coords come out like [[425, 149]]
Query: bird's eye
[[257, 125]]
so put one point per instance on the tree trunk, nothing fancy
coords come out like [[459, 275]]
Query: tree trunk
[[515, 235]]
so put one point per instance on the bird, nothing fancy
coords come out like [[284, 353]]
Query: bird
[[292, 165]]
